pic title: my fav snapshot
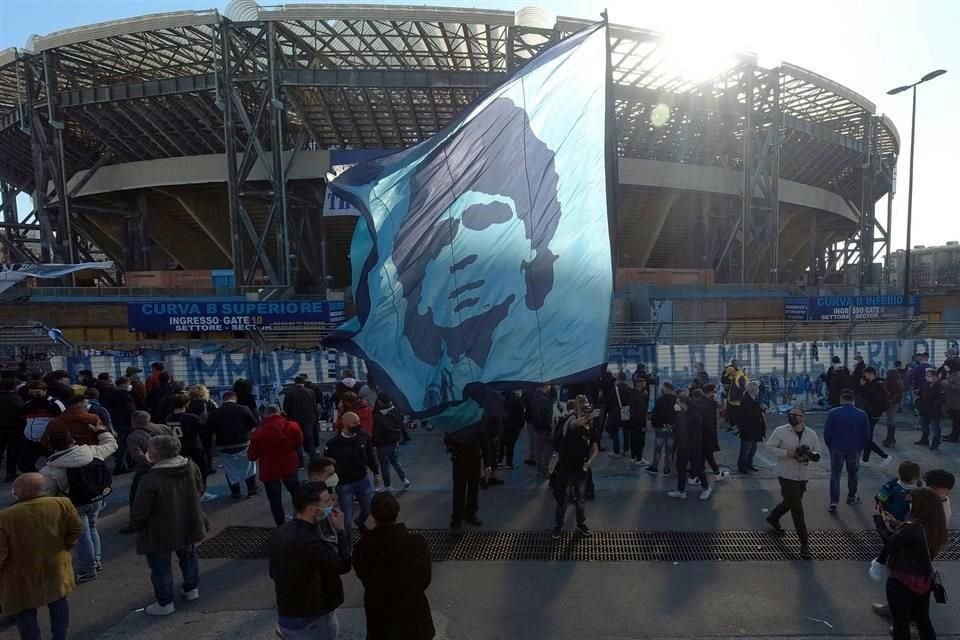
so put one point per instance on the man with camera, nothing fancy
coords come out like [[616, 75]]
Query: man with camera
[[795, 446]]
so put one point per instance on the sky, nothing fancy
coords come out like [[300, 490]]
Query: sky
[[868, 46]]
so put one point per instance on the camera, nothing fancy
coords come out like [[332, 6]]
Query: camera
[[806, 454]]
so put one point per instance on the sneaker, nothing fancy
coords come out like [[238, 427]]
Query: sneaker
[[886, 461], [584, 530], [882, 610], [644, 461], [865, 463], [388, 489], [207, 497], [638, 463], [87, 577], [805, 551], [706, 493], [652, 471], [753, 468], [691, 480], [723, 475], [832, 508], [407, 483], [157, 609], [509, 466], [666, 472], [679, 495], [98, 565], [775, 527], [556, 533], [193, 594], [854, 500]]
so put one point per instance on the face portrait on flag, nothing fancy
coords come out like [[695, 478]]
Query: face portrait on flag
[[474, 214], [482, 257]]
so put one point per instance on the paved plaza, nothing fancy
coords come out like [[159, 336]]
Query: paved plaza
[[494, 599]]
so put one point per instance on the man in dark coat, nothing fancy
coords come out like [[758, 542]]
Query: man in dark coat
[[13, 419], [705, 404], [120, 403], [231, 424], [394, 567], [167, 517], [469, 448], [873, 395], [753, 429], [300, 405]]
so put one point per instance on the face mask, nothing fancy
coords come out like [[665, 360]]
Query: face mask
[[676, 407], [325, 513], [332, 481], [793, 420], [838, 366]]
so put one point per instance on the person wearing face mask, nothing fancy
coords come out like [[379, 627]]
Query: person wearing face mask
[[752, 428], [795, 445], [323, 470], [688, 430], [306, 568], [355, 457], [275, 445], [387, 433]]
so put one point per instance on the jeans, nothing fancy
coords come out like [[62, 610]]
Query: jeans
[[466, 484], [309, 438], [161, 573], [364, 492], [544, 452], [326, 627], [748, 449], [120, 457], [873, 445], [907, 606], [86, 553], [792, 492], [570, 489], [891, 426], [663, 442], [839, 459], [59, 621], [10, 443], [274, 490], [694, 460], [926, 426], [387, 455]]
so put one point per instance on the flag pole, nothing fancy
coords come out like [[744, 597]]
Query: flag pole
[[611, 154]]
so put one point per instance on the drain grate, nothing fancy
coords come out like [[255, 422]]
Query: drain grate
[[247, 543]]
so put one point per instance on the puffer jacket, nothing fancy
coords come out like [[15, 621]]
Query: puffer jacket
[[74, 458]]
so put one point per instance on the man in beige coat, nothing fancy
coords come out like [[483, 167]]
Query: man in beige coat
[[36, 534]]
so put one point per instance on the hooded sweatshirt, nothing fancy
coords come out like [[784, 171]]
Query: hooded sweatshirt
[[73, 458]]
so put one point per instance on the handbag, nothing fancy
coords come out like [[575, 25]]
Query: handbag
[[624, 410], [937, 588]]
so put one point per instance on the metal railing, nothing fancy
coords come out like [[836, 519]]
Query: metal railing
[[147, 292]]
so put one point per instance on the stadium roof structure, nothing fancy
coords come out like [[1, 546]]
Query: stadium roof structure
[[89, 116]]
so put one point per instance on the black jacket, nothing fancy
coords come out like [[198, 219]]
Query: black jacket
[[837, 381], [62, 392], [387, 427], [12, 416], [121, 405], [688, 431], [750, 420], [160, 402], [639, 405], [513, 405], [187, 427], [306, 570], [663, 411], [906, 548], [574, 450], [471, 440], [394, 567], [707, 410], [300, 405], [231, 425], [875, 398], [542, 406], [354, 456], [931, 399]]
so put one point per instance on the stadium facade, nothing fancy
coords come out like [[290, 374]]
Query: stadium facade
[[200, 141]]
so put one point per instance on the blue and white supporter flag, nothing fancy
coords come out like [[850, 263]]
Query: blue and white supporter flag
[[482, 257]]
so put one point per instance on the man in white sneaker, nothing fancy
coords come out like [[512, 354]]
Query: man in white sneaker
[[167, 517], [796, 446]]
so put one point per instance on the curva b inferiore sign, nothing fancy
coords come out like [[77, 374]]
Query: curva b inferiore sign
[[175, 316], [855, 308]]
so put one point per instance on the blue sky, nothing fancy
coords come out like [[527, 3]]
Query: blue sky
[[869, 46]]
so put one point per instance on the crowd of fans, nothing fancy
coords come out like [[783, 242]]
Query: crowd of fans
[[65, 441]]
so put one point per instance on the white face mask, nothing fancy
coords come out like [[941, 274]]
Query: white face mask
[[332, 481], [676, 407]]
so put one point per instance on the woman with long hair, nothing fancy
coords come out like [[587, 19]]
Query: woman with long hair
[[911, 548]]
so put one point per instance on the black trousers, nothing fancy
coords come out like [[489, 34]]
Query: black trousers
[[954, 415], [30, 452], [907, 606], [508, 443], [466, 484], [873, 445], [708, 459], [10, 443], [792, 492], [687, 457], [638, 438]]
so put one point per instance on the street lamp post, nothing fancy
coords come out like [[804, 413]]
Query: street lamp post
[[913, 139]]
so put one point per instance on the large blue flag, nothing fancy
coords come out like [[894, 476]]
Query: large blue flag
[[482, 260]]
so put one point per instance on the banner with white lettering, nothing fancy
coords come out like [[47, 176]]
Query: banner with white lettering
[[175, 316]]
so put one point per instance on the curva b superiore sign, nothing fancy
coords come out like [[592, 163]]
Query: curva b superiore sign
[[175, 316], [855, 308]]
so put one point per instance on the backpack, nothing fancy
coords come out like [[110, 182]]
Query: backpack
[[89, 483]]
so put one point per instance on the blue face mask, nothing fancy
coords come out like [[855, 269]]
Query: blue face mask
[[326, 512]]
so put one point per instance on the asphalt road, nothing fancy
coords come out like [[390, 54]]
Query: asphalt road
[[482, 600]]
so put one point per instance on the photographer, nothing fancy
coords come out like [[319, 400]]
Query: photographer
[[795, 446]]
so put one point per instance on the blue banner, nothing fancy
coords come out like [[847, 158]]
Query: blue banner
[[176, 316], [853, 308], [482, 258]]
